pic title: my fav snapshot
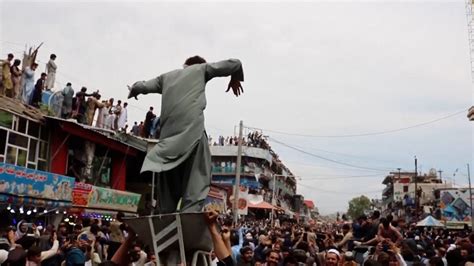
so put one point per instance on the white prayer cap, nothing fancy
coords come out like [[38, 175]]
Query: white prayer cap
[[332, 250], [3, 256]]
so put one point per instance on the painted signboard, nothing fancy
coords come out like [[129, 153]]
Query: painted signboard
[[454, 205], [85, 195], [25, 182]]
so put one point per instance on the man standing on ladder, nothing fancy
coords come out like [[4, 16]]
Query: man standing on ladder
[[182, 155]]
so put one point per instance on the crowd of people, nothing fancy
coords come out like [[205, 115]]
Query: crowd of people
[[18, 82], [365, 241], [86, 242], [253, 139]]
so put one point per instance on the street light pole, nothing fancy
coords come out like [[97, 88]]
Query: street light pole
[[416, 188], [237, 174], [273, 198], [470, 197]]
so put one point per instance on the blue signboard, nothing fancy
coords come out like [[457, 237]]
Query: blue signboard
[[24, 182], [230, 181]]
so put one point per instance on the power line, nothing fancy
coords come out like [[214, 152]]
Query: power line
[[327, 159], [340, 177], [364, 134], [329, 167]]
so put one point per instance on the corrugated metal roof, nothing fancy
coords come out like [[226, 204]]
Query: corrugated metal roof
[[125, 139], [18, 108]]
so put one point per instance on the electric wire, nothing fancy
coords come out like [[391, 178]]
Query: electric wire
[[375, 133], [328, 159]]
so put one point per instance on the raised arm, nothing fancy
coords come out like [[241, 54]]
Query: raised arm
[[145, 87], [225, 68]]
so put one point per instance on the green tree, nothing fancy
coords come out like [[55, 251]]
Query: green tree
[[358, 206]]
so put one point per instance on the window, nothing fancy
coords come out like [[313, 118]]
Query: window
[[405, 188], [6, 119], [23, 142], [21, 158], [22, 125], [32, 150], [3, 141], [33, 129], [18, 140], [43, 150], [44, 133], [42, 165], [11, 155]]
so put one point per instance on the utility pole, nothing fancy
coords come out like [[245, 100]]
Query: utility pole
[[273, 198], [416, 188], [440, 175], [237, 174], [470, 197]]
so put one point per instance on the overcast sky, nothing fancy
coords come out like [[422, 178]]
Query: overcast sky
[[321, 68]]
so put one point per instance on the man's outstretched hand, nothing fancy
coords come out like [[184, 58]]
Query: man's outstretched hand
[[236, 87], [132, 93]]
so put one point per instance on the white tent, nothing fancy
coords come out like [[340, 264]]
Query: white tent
[[429, 221]]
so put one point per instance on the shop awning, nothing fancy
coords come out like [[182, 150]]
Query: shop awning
[[264, 205]]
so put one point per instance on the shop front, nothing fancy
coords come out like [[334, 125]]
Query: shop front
[[27, 190]]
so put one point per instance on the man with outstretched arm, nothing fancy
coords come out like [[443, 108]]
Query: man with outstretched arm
[[182, 155]]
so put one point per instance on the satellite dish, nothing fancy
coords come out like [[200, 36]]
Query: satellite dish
[[433, 172]]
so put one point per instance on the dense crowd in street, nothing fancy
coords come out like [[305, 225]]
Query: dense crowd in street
[[364, 241]]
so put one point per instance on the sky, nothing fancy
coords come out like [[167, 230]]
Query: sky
[[322, 69]]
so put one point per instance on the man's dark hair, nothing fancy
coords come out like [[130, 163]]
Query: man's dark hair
[[43, 74], [346, 227], [151, 108], [194, 60], [17, 62], [68, 84], [375, 215], [436, 261], [10, 56], [52, 56], [33, 251], [245, 249], [119, 101]]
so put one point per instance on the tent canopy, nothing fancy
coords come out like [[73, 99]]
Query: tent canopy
[[429, 221], [262, 205]]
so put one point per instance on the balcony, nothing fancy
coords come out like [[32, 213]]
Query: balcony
[[246, 152]]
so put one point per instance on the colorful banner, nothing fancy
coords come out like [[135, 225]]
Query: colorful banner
[[24, 182], [243, 203], [85, 195], [455, 205], [216, 200]]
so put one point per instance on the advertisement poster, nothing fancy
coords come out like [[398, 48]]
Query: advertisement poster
[[243, 203], [85, 195], [21, 181], [216, 200]]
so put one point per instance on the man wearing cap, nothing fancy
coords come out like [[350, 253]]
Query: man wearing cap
[[182, 151], [332, 257]]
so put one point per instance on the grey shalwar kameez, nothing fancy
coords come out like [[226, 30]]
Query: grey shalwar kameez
[[182, 155]]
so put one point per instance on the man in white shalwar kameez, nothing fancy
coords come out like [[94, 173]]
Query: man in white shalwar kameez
[[51, 71], [182, 155], [122, 119]]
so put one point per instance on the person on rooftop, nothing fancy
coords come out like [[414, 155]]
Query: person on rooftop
[[38, 92], [16, 78], [51, 72], [7, 77], [28, 83]]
